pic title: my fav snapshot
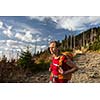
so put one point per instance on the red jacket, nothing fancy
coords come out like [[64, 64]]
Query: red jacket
[[57, 66]]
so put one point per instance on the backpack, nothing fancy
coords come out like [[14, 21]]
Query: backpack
[[68, 55]]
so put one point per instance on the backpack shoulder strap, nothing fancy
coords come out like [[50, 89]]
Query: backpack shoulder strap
[[60, 60]]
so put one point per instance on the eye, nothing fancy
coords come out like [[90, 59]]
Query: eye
[[51, 47]]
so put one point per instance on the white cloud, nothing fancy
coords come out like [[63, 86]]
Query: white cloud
[[9, 46], [23, 28], [2, 41], [40, 18], [39, 39], [27, 33], [8, 32], [1, 24], [34, 40], [11, 42], [19, 36], [27, 37], [71, 22], [6, 29], [44, 46], [9, 27], [47, 39], [76, 22], [0, 52]]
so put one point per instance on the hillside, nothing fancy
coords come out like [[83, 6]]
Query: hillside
[[89, 70]]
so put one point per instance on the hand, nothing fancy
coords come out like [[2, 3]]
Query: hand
[[61, 71], [49, 69]]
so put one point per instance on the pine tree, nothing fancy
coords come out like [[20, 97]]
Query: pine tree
[[4, 59], [25, 59]]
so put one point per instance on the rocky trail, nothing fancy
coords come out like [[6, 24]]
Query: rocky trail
[[89, 68], [88, 72]]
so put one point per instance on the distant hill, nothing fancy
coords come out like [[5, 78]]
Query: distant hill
[[84, 39], [89, 39]]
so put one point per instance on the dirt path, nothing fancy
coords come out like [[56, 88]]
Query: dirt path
[[89, 68]]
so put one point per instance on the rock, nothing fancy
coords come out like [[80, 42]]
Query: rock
[[89, 68]]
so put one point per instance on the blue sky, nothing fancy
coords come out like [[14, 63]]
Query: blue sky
[[18, 32]]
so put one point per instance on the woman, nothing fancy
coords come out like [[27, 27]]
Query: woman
[[61, 67]]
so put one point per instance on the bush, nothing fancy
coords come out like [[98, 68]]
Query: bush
[[25, 60], [95, 46]]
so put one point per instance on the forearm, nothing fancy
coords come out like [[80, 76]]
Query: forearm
[[71, 70], [73, 67]]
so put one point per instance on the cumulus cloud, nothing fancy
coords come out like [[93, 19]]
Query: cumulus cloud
[[1, 24], [44, 46], [7, 31], [9, 27], [75, 22], [40, 18], [19, 36], [10, 48], [2, 41], [0, 52], [23, 28], [11, 42], [71, 22], [27, 33], [47, 39], [27, 37]]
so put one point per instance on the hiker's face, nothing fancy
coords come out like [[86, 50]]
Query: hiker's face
[[53, 48]]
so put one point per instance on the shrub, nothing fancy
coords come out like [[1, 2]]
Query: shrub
[[25, 60], [95, 46]]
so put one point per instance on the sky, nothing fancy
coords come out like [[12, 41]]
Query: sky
[[18, 32]]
